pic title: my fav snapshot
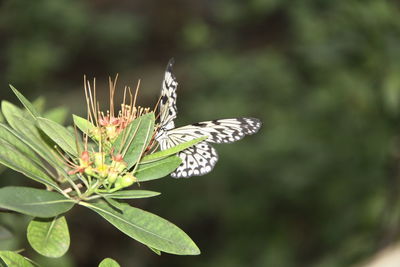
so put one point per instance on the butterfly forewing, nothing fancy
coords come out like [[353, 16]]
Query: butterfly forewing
[[218, 131], [168, 109]]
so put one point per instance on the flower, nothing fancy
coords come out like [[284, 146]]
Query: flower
[[100, 167]]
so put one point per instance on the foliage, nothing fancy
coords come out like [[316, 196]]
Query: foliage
[[317, 187], [43, 150]]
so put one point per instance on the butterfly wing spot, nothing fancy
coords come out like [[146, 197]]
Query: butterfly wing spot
[[200, 124], [164, 99]]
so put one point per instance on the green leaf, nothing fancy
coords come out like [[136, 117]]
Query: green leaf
[[7, 135], [28, 133], [134, 139], [155, 251], [108, 262], [13, 259], [114, 204], [39, 104], [28, 105], [34, 202], [146, 228], [49, 236], [157, 169], [58, 114], [5, 233], [17, 161], [1, 117], [131, 194], [83, 124], [59, 134], [21, 124], [2, 168], [10, 112], [172, 150]]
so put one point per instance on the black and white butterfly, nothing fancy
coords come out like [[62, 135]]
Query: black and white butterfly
[[202, 157]]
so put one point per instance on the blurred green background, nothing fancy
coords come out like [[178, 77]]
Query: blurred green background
[[317, 186]]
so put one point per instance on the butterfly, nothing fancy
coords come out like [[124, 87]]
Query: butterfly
[[202, 157]]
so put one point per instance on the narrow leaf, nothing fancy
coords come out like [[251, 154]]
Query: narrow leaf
[[5, 233], [12, 259], [157, 169], [49, 236], [34, 202], [17, 161], [59, 134], [135, 138], [2, 168], [146, 228], [7, 135], [155, 251], [108, 262], [131, 194], [39, 104], [58, 114], [11, 112], [28, 105], [172, 150], [28, 133], [83, 124]]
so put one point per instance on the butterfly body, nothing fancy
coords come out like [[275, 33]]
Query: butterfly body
[[202, 157]]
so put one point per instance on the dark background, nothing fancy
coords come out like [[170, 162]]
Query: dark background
[[317, 186]]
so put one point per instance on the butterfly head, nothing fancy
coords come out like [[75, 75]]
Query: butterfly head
[[161, 134]]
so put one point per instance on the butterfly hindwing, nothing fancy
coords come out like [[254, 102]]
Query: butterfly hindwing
[[196, 160]]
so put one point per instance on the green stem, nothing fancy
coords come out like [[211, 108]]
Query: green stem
[[92, 189], [94, 197], [83, 179], [109, 190]]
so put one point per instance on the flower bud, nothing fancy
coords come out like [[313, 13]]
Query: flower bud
[[127, 180], [112, 176], [119, 166], [118, 183], [118, 163], [102, 171], [111, 132], [85, 156], [96, 134], [89, 171], [99, 159]]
